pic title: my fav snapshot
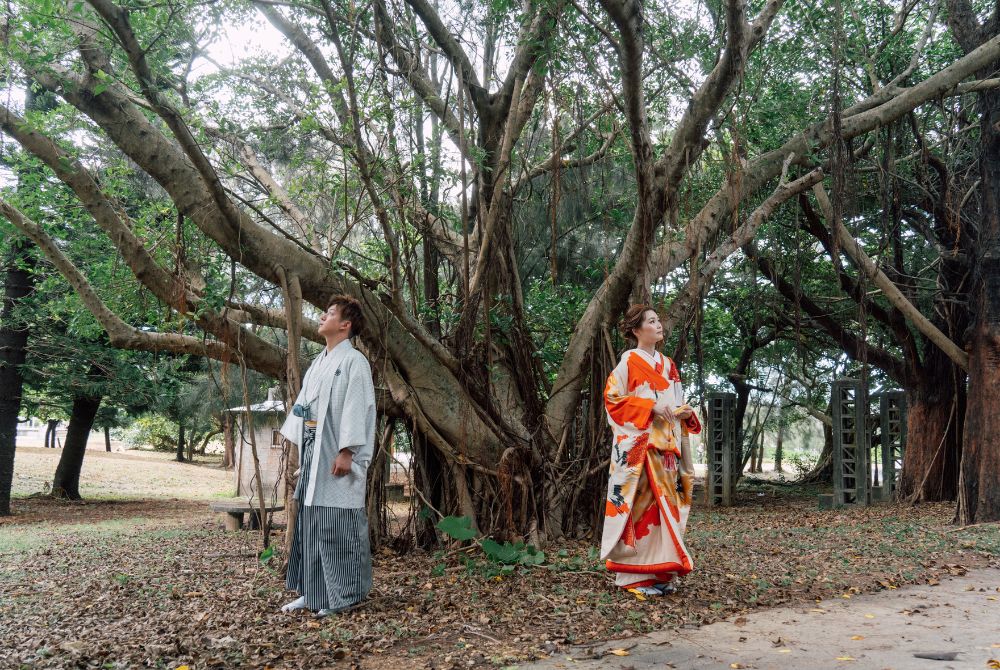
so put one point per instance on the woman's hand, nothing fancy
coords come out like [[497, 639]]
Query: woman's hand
[[683, 412], [664, 413]]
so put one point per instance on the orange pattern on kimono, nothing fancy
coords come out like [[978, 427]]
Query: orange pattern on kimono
[[645, 511]]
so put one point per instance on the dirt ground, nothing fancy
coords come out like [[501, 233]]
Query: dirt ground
[[158, 583]]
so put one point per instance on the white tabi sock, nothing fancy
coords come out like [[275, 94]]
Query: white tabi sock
[[297, 604]]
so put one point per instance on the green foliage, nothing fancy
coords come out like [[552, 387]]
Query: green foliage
[[457, 527], [266, 555], [150, 431], [507, 555]]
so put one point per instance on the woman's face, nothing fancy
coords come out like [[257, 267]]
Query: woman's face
[[651, 331]]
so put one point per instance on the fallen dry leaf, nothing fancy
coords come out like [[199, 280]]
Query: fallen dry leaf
[[637, 593]]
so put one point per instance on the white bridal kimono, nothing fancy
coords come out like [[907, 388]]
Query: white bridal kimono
[[330, 560], [646, 513]]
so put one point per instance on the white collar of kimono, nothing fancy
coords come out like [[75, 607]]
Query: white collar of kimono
[[346, 344], [653, 359], [326, 358]]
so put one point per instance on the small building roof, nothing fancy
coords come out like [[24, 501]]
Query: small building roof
[[265, 407], [272, 404]]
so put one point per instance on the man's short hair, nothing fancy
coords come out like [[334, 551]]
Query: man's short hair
[[349, 310]]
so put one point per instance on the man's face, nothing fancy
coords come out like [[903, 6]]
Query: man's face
[[330, 322]]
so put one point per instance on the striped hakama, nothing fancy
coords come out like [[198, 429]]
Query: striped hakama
[[330, 561]]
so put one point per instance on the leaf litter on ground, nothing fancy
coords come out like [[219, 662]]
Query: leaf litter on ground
[[187, 593]]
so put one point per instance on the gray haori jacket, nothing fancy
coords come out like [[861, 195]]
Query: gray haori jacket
[[340, 394]]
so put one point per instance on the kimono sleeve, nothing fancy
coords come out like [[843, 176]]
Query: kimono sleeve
[[690, 425], [624, 408], [356, 423]]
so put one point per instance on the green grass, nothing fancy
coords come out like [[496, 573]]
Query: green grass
[[19, 539]]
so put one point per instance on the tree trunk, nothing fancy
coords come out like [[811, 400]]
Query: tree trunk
[[429, 481], [760, 452], [933, 449], [107, 439], [66, 483], [180, 442], [18, 283], [822, 472], [979, 480], [979, 484], [778, 449], [229, 446]]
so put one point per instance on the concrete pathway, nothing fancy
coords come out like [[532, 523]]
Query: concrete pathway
[[955, 623]]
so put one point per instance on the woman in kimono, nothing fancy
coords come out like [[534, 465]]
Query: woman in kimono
[[645, 513]]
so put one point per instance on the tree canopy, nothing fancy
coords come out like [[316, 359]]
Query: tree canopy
[[796, 186]]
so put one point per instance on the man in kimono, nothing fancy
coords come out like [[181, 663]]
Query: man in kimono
[[333, 425]]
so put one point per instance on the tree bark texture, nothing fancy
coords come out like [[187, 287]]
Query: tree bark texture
[[18, 284], [66, 483], [979, 480]]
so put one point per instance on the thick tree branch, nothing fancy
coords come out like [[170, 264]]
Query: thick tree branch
[[688, 138], [858, 120], [851, 342], [452, 50], [117, 19], [698, 285], [167, 287], [889, 289], [120, 334]]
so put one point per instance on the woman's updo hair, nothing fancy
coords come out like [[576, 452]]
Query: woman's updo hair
[[633, 320]]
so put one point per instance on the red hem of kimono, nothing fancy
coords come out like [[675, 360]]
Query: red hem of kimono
[[635, 585], [654, 569], [677, 544], [660, 579]]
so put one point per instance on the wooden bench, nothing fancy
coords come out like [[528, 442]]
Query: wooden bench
[[235, 509]]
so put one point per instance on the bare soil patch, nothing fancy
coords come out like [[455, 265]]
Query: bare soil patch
[[46, 510]]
